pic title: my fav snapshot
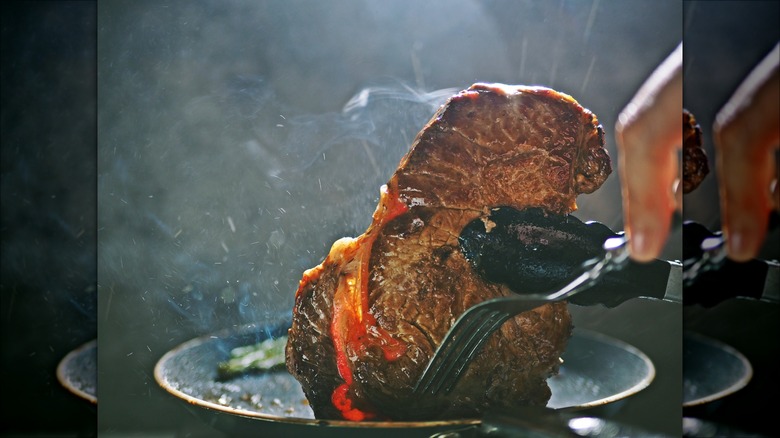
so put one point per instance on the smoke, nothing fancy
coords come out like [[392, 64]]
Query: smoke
[[261, 192], [322, 177], [380, 119], [237, 144]]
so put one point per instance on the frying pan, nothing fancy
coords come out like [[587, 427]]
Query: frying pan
[[596, 370], [77, 371], [711, 370]]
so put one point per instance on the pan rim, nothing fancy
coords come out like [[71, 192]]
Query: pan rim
[[64, 377], [637, 387], [736, 385], [159, 376]]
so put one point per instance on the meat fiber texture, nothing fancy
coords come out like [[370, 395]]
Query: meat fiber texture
[[695, 163], [368, 319]]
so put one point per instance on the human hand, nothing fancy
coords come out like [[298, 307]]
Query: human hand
[[746, 136], [649, 135]]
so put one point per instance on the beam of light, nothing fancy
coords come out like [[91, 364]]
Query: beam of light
[[523, 52], [586, 81], [591, 19]]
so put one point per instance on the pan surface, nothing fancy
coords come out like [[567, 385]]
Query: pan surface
[[77, 371], [596, 370], [711, 370]]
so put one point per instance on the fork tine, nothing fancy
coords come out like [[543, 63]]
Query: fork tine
[[467, 329], [476, 324], [474, 344], [468, 334], [449, 347]]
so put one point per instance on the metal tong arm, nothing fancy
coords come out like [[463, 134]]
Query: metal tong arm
[[614, 258]]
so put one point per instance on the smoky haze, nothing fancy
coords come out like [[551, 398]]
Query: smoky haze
[[266, 193], [237, 140]]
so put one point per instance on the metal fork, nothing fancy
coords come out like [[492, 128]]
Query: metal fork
[[476, 324]]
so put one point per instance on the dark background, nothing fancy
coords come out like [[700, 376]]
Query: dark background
[[723, 41], [48, 224], [223, 162]]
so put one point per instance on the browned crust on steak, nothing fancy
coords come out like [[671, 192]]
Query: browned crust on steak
[[491, 145], [695, 163], [515, 362], [501, 145]]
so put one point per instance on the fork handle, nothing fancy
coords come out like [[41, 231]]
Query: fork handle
[[649, 280]]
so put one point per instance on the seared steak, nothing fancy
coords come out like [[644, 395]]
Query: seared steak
[[368, 319]]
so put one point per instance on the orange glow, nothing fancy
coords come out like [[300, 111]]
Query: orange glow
[[353, 328], [343, 403]]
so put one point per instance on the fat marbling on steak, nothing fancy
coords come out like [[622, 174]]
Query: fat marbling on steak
[[367, 320]]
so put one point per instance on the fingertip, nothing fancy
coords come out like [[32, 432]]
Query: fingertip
[[742, 245], [642, 246]]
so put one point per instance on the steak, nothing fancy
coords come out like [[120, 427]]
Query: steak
[[367, 320], [695, 164]]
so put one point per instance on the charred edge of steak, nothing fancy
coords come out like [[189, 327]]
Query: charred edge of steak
[[695, 162]]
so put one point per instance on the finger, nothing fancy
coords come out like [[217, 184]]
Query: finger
[[746, 199], [648, 174], [747, 132], [648, 136]]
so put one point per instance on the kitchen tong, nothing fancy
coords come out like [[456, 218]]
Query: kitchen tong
[[706, 277], [475, 325], [710, 277]]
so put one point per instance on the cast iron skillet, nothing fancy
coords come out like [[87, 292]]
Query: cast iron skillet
[[77, 371], [596, 370]]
